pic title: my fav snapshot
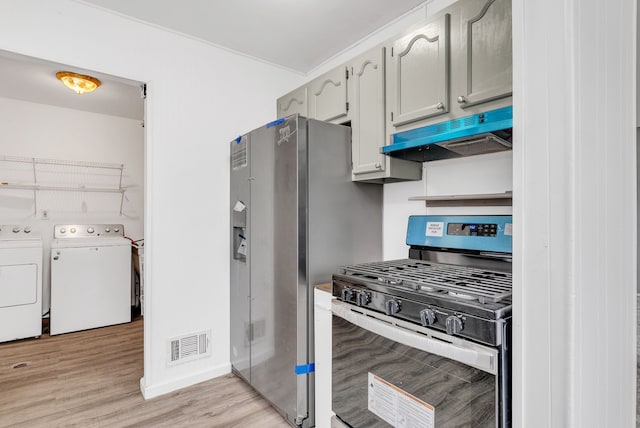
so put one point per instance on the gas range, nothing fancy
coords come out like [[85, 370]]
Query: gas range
[[457, 279]]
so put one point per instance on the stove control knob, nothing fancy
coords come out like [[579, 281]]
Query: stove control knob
[[428, 317], [106, 229], [116, 230], [72, 230], [90, 230], [347, 294], [393, 306], [16, 229], [63, 230], [363, 298], [454, 325]]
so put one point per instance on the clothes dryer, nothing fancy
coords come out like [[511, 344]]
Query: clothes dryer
[[20, 283]]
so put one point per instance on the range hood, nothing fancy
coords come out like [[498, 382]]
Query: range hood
[[477, 134]]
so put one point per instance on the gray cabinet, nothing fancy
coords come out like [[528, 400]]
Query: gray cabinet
[[418, 73], [367, 111], [466, 48], [485, 52], [293, 102], [328, 96], [367, 103]]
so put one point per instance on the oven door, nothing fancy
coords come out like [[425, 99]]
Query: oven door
[[387, 372]]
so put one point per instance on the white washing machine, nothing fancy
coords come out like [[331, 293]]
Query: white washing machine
[[90, 277], [20, 283]]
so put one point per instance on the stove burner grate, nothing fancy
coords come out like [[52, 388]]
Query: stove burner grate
[[460, 282]]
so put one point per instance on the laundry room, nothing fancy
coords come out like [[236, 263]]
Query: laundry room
[[72, 168]]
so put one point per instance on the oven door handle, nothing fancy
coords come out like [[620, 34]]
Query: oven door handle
[[481, 357]]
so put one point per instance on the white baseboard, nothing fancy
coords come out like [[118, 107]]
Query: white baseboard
[[152, 391]]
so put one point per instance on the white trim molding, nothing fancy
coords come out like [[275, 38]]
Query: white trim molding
[[574, 202], [171, 385]]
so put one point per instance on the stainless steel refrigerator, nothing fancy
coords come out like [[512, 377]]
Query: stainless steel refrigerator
[[296, 216]]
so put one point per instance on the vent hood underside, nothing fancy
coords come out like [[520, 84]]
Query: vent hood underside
[[477, 134]]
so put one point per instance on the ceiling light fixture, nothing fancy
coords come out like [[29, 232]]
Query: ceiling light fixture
[[78, 83]]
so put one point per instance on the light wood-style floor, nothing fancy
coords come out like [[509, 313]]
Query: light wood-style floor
[[92, 379]]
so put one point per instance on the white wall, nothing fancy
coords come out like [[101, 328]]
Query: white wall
[[43, 131], [200, 97], [575, 213]]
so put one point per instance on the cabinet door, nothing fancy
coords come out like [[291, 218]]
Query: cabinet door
[[293, 102], [366, 93], [486, 51], [328, 95], [419, 73]]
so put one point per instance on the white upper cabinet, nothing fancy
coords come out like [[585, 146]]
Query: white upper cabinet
[[418, 73], [367, 112], [485, 55], [328, 96], [293, 102], [367, 101]]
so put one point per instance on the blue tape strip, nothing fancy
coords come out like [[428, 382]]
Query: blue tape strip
[[237, 140], [305, 369], [275, 122]]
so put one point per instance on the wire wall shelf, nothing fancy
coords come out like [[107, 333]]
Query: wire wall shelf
[[38, 174]]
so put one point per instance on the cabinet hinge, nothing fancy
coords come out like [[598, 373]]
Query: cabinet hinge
[[347, 106], [143, 91], [392, 51], [346, 70], [391, 116]]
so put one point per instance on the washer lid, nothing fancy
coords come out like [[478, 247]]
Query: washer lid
[[102, 241]]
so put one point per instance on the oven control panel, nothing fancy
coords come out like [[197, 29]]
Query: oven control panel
[[472, 229], [492, 233]]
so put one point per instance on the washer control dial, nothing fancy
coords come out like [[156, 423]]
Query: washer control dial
[[90, 230], [16, 229]]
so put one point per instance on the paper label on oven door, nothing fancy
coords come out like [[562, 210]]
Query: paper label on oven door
[[397, 407], [435, 228]]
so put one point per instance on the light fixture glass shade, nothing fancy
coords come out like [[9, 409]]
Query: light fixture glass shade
[[79, 83]]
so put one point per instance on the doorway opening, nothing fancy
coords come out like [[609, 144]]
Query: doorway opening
[[71, 165]]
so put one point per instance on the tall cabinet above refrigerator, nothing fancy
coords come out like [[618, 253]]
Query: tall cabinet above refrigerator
[[296, 216]]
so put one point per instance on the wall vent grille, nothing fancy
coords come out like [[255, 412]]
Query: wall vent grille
[[189, 347]]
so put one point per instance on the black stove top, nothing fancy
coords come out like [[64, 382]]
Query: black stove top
[[457, 279], [463, 301], [459, 282]]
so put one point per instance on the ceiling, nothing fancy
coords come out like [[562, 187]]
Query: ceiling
[[295, 34], [34, 80]]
